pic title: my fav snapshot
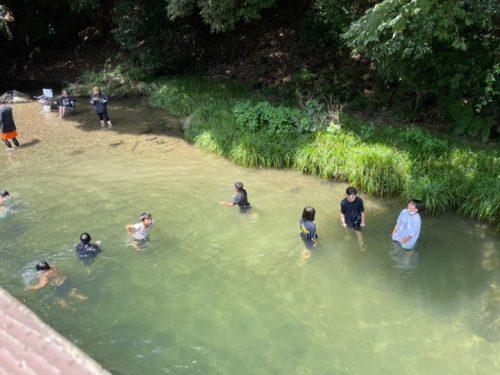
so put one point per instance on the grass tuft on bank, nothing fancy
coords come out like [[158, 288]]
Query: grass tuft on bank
[[244, 127]]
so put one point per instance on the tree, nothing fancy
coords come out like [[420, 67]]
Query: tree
[[449, 49], [220, 15]]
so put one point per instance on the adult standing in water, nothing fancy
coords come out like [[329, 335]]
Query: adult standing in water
[[100, 104], [8, 126], [240, 199], [407, 229]]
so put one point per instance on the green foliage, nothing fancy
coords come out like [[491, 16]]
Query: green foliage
[[220, 15], [263, 117], [382, 160], [280, 120], [144, 31], [441, 48], [379, 169], [465, 121], [422, 140], [328, 19]]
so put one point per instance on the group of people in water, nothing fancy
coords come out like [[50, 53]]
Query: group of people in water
[[65, 103], [352, 212], [352, 216]]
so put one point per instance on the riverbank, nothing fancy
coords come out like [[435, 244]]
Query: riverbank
[[446, 172], [268, 129]]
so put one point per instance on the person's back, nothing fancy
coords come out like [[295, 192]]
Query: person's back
[[85, 249], [7, 123]]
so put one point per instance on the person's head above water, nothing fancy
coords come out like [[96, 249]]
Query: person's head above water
[[4, 194], [309, 213], [42, 266], [145, 215], [85, 238], [238, 185]]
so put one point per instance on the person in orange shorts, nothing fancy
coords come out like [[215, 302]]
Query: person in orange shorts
[[8, 126]]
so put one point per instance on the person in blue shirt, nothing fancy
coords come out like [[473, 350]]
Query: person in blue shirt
[[307, 233], [100, 103], [407, 229], [308, 228], [87, 250]]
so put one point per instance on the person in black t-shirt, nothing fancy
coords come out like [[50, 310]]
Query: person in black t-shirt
[[240, 199], [352, 210], [85, 249]]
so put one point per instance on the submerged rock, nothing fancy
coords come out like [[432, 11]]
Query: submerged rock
[[14, 96]]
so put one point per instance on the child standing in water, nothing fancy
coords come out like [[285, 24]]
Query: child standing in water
[[407, 229], [8, 127], [140, 231], [308, 232], [100, 103], [240, 199]]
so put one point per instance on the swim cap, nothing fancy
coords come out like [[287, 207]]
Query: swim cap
[[42, 266], [238, 185], [5, 194], [144, 216], [85, 238]]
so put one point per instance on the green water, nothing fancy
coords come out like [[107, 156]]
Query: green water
[[218, 292]]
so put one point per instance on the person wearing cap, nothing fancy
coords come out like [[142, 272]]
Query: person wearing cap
[[240, 199], [140, 231], [8, 127], [85, 249]]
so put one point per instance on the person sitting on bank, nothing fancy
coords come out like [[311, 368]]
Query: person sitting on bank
[[85, 249], [352, 210], [240, 199], [66, 103]]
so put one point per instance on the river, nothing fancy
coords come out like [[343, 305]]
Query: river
[[219, 292]]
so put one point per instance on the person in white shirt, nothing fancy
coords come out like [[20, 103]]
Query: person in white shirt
[[140, 231]]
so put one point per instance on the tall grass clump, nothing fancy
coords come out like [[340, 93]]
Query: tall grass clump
[[483, 201], [378, 169], [326, 154], [445, 172]]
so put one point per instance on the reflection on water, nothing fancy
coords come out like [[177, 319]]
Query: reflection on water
[[218, 292]]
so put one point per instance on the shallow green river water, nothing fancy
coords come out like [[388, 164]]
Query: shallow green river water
[[218, 292]]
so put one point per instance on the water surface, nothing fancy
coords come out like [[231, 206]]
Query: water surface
[[218, 292]]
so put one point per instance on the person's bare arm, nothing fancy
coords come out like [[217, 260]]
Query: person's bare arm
[[41, 283], [130, 228]]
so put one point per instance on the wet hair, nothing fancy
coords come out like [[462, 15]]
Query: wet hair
[[238, 185], [419, 205], [351, 190], [4, 194], [144, 216], [42, 266], [85, 238], [309, 213]]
